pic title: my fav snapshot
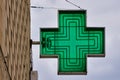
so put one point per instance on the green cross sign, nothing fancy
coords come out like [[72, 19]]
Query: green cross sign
[[72, 42]]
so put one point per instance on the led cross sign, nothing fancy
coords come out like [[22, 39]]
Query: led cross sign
[[72, 42]]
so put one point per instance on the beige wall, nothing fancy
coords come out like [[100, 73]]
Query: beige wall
[[2, 22], [3, 72], [34, 75], [15, 39]]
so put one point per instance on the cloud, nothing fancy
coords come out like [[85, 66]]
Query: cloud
[[99, 13]]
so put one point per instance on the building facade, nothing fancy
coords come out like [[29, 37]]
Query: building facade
[[15, 40], [34, 75]]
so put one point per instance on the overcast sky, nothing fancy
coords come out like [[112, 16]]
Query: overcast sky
[[100, 13]]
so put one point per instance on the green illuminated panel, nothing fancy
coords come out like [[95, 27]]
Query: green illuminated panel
[[72, 42]]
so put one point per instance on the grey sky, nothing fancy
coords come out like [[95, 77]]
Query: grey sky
[[100, 13]]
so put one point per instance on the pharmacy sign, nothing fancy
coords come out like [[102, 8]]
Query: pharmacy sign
[[72, 42]]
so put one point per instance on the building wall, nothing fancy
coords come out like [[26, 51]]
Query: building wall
[[15, 39], [34, 75]]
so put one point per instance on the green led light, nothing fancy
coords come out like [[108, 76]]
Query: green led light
[[72, 42]]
